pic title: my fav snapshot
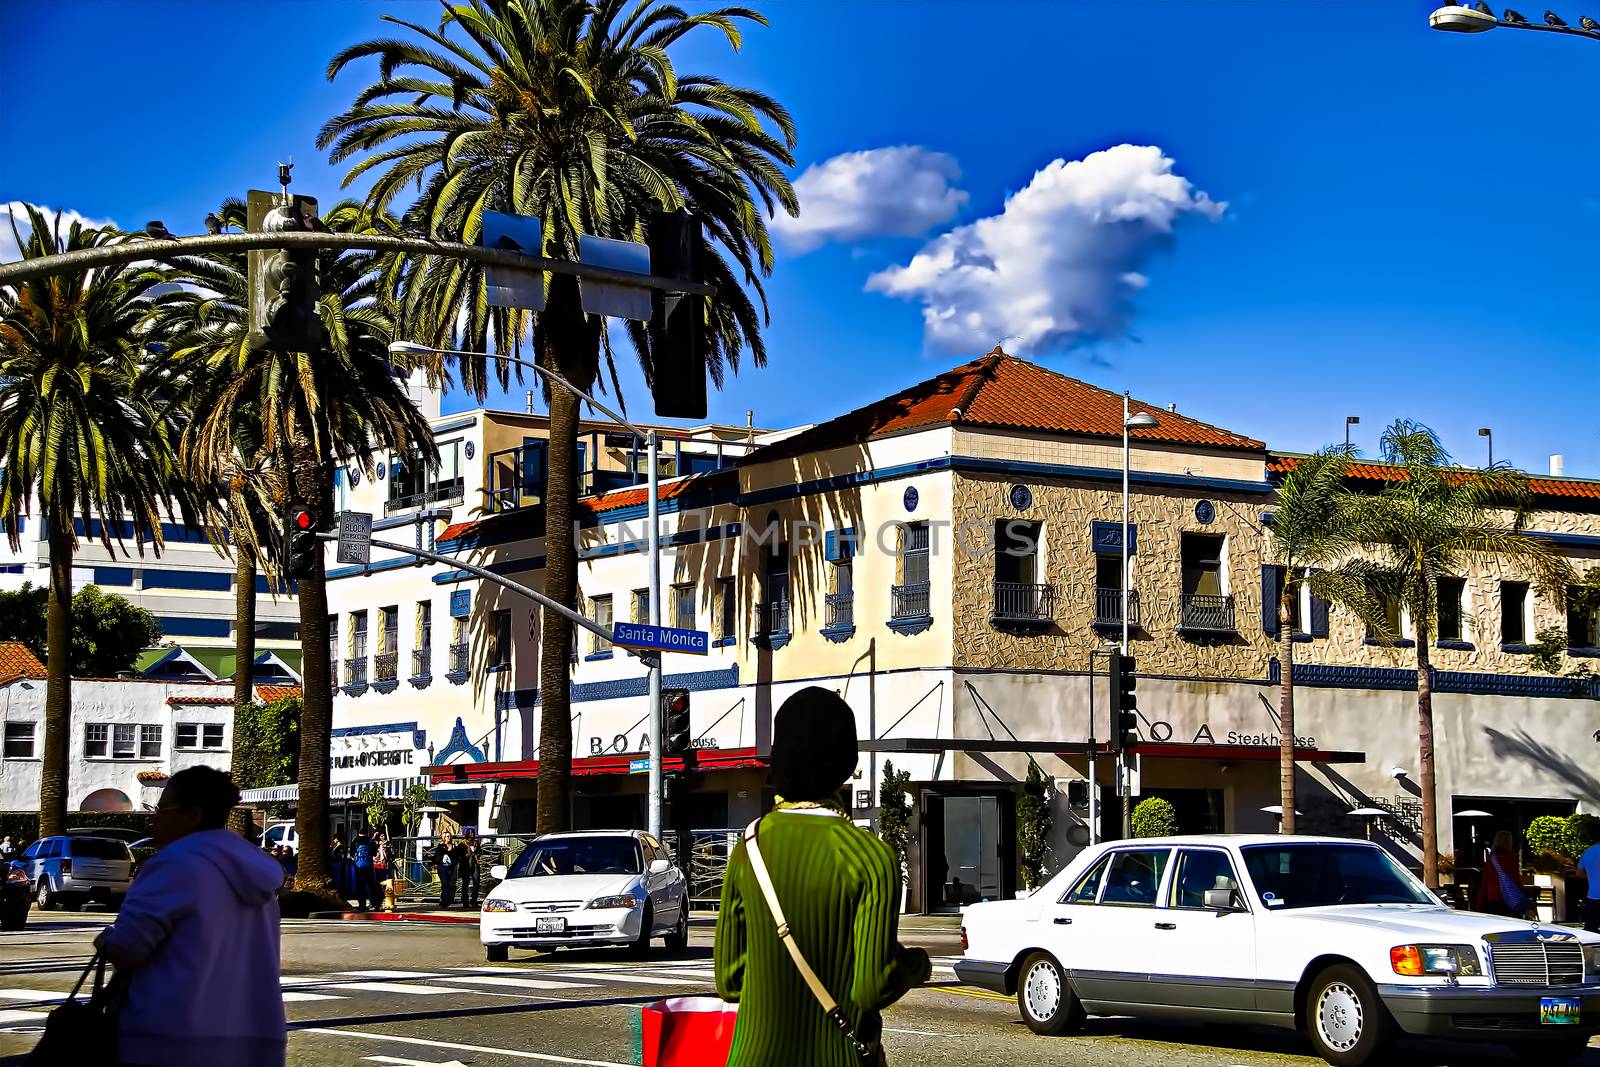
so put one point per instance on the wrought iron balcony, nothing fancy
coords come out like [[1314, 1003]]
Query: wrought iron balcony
[[841, 610], [333, 673], [422, 661], [386, 666], [1024, 602], [910, 601], [355, 673], [450, 492], [458, 658], [1108, 609], [774, 616], [1206, 613]]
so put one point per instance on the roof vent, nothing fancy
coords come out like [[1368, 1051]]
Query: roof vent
[[1558, 466], [1173, 407]]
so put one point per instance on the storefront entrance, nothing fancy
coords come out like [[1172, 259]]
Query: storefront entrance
[[968, 847]]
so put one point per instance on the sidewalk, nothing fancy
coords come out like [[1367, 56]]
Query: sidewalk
[[418, 913]]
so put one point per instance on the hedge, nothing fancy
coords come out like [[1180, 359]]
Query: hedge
[[24, 825]]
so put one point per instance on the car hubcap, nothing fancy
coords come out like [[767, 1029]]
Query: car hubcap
[[1339, 1017], [1042, 991]]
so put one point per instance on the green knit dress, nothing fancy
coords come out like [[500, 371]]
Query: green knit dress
[[840, 890]]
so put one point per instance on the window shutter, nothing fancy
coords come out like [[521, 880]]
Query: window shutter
[[1319, 616], [830, 546], [1271, 590]]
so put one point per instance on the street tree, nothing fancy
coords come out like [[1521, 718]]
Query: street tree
[[86, 435], [571, 111], [1431, 521], [108, 631]]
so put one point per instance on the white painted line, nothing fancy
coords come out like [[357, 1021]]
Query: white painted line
[[9, 1016], [393, 974], [631, 979], [398, 987], [43, 996], [919, 1033], [290, 996], [517, 983], [542, 1057]]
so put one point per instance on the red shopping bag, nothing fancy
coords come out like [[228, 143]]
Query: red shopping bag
[[687, 1032]]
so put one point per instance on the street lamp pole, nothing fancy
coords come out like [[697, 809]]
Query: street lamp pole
[[652, 543], [1143, 420], [1459, 18]]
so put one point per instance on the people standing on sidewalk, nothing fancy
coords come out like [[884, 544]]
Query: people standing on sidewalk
[[7, 849], [197, 938], [363, 882], [471, 849], [1501, 891], [1589, 864], [448, 855], [838, 888], [380, 864], [337, 869]]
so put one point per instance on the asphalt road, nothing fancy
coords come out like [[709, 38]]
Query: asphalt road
[[399, 994]]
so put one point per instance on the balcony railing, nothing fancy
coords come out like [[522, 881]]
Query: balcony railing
[[450, 492], [421, 661], [333, 673], [841, 610], [1108, 608], [909, 601], [386, 666], [355, 673], [1024, 602], [774, 616], [458, 658], [1206, 613]]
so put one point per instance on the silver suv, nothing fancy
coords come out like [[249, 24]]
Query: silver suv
[[67, 871]]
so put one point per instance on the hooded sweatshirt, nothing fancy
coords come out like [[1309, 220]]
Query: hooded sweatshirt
[[202, 920]]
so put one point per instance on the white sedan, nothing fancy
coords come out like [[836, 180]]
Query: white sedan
[[1325, 935], [591, 888]]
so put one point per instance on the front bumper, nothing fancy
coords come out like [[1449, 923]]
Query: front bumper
[[1493, 1013], [519, 929], [985, 975]]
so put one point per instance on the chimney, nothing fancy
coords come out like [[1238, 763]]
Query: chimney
[[530, 401], [1173, 407], [750, 425], [1558, 466]]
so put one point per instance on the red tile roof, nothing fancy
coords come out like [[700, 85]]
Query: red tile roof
[[1569, 488], [205, 701], [16, 659], [1002, 391], [634, 496], [269, 693]]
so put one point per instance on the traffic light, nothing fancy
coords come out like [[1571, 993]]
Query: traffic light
[[678, 337], [674, 722], [300, 551], [1124, 703], [284, 286]]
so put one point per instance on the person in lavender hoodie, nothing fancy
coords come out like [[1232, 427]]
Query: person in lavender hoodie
[[197, 938]]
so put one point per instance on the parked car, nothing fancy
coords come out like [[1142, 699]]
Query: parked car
[[592, 888], [16, 894], [1326, 935], [68, 870], [116, 833], [141, 851], [282, 833]]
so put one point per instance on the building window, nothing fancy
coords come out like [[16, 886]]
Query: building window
[[683, 607], [1583, 619], [1452, 593], [775, 608], [600, 611], [910, 598], [726, 608], [150, 742], [1205, 604], [123, 741], [19, 740], [422, 655], [211, 735], [841, 602], [358, 635], [390, 639], [187, 735], [1019, 592], [1513, 613], [207, 581], [501, 654], [189, 626], [96, 740], [641, 605], [459, 646]]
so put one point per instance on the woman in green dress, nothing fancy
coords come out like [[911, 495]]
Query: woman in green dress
[[839, 888]]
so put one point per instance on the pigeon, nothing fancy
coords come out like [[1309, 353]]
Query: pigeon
[[213, 224], [1485, 9], [1588, 23], [1553, 19], [1515, 18], [157, 229]]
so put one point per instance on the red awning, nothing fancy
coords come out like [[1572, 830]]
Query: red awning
[[706, 759], [1242, 753]]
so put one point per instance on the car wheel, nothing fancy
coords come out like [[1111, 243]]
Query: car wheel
[[497, 953], [1559, 1051], [678, 939], [641, 944], [48, 900], [1045, 997], [1346, 1021]]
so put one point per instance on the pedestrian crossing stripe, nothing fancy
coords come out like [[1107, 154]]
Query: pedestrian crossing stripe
[[13, 1017]]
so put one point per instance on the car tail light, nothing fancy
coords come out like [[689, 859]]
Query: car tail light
[[66, 866], [963, 938]]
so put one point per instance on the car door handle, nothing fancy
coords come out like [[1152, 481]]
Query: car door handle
[[1166, 926], [1063, 922]]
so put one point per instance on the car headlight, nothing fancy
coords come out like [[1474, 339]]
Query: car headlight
[[499, 905], [622, 900], [16, 875], [1419, 960], [1591, 960]]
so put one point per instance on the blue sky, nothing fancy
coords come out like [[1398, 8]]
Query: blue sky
[[1336, 210]]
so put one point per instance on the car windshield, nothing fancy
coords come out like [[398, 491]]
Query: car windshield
[[98, 848], [1315, 876], [578, 855]]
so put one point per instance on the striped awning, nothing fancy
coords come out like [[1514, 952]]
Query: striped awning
[[393, 788]]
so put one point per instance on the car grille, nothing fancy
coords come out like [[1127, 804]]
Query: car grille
[[1537, 963], [553, 907], [571, 931]]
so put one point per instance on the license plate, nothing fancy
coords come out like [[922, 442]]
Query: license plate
[[1559, 1011], [558, 925]]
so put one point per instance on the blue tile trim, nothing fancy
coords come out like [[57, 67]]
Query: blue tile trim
[[420, 681], [382, 565], [509, 699], [1459, 646], [1586, 652], [459, 745], [591, 657], [772, 641], [387, 686], [914, 625], [1403, 642], [1322, 676], [1061, 470], [724, 642], [1563, 540], [456, 677], [367, 731], [1517, 648], [354, 690], [617, 688], [838, 634], [685, 537], [498, 668], [507, 567], [1301, 639], [846, 481]]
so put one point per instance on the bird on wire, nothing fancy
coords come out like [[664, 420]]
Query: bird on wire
[[1485, 9], [1515, 18], [1553, 19], [1588, 23], [157, 229], [213, 224]]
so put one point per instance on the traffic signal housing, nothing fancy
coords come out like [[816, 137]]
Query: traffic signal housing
[[674, 722], [284, 286], [678, 329], [300, 549], [1124, 703]]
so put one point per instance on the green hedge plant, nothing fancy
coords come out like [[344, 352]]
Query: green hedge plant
[[1154, 817]]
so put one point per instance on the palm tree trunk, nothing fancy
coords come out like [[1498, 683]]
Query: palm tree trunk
[[53, 769], [1286, 712], [316, 713], [1430, 808], [244, 663], [555, 637]]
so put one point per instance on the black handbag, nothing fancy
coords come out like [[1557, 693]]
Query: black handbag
[[83, 1031]]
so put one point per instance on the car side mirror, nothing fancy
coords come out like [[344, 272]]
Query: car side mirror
[[659, 866], [1220, 900], [498, 872]]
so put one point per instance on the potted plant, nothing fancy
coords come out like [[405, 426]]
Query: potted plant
[[1554, 845], [1033, 829], [1154, 817]]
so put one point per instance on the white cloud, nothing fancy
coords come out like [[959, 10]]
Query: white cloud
[[17, 211], [1061, 262], [902, 191]]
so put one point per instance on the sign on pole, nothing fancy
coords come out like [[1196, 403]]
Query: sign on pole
[[638, 766], [1131, 761], [608, 298], [508, 287], [661, 638], [355, 537]]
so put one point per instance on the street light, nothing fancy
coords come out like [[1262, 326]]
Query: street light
[[653, 540], [1458, 18], [1484, 431], [1142, 421], [1349, 421]]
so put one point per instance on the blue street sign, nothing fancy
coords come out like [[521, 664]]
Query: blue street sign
[[661, 638], [635, 766]]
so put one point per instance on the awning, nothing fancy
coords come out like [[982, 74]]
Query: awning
[[705, 759], [393, 789], [1145, 749]]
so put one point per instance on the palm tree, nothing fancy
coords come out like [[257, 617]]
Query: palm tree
[[1312, 540], [1430, 523], [84, 432], [338, 405], [571, 111]]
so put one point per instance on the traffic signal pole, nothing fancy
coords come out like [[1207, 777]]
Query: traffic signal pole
[[653, 547]]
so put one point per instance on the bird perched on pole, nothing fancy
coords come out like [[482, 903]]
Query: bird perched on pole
[[213, 224], [1485, 8], [157, 229], [1515, 18], [1553, 19], [1588, 23]]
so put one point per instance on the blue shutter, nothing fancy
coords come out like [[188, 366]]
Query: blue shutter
[[460, 603], [839, 545], [1271, 589], [830, 546], [1319, 617]]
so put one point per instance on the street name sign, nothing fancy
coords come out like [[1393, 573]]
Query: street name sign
[[638, 766], [661, 638], [508, 287], [355, 537]]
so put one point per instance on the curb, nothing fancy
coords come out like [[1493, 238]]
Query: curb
[[394, 917]]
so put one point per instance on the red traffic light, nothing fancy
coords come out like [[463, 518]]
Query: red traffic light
[[302, 519], [679, 702]]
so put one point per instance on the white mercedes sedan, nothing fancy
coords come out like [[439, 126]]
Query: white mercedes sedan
[[1325, 935], [613, 887]]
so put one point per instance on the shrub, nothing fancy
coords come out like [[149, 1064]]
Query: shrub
[[1154, 817], [24, 825], [894, 811], [1033, 827], [1552, 833], [1585, 829]]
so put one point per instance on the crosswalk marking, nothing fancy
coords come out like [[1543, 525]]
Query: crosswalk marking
[[13, 1017], [44, 996], [399, 987], [293, 996], [515, 983], [631, 978], [393, 974]]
